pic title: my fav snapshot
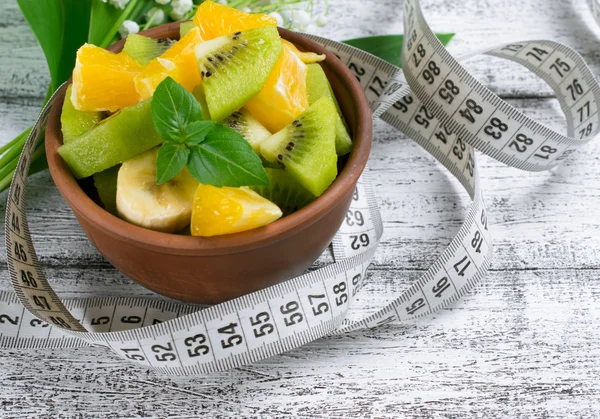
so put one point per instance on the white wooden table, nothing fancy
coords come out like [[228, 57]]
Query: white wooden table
[[526, 343]]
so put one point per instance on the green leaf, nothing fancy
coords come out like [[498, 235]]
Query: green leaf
[[171, 159], [103, 18], [388, 47], [224, 158], [173, 108], [61, 27], [107, 19], [196, 131]]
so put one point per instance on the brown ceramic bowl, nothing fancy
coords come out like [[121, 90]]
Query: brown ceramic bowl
[[216, 269]]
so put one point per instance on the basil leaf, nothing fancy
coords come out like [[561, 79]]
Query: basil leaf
[[196, 131], [388, 47], [173, 108], [224, 158], [171, 159]]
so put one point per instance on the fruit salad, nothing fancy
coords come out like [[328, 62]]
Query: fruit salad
[[225, 130]]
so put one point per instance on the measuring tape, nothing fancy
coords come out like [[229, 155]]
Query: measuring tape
[[434, 101]]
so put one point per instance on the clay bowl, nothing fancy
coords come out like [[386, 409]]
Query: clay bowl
[[216, 269]]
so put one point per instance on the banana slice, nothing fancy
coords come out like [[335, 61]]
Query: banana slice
[[140, 201]]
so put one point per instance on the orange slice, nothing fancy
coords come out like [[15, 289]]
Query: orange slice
[[284, 96], [178, 62], [230, 210], [306, 57], [216, 20], [103, 81]]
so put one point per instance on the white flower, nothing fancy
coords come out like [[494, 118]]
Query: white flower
[[245, 10], [163, 2], [119, 4], [321, 20], [180, 8], [127, 27], [300, 18], [277, 17], [310, 28], [155, 16], [223, 2]]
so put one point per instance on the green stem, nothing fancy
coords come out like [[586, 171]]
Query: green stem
[[14, 151], [14, 141], [6, 181], [9, 168], [147, 25], [38, 154], [238, 3], [115, 28], [275, 6], [190, 15]]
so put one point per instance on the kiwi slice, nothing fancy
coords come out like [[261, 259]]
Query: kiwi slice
[[306, 147], [144, 49], [185, 27], [198, 93], [248, 127], [73, 122], [318, 86], [118, 138], [284, 191], [236, 67], [106, 185]]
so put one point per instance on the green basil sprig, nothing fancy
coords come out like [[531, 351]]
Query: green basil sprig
[[213, 153]]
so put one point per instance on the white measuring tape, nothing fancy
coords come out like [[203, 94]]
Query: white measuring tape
[[434, 101]]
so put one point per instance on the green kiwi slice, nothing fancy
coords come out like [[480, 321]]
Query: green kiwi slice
[[106, 185], [117, 138], [73, 122], [198, 93], [306, 147], [144, 49], [284, 191], [185, 27], [318, 86], [252, 130], [236, 67]]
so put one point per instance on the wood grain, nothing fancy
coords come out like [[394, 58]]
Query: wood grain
[[524, 344]]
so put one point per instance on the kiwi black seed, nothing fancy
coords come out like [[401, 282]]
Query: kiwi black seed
[[248, 127], [306, 147], [222, 56], [235, 67], [144, 49]]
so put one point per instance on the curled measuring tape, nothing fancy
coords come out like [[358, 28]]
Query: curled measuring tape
[[434, 101]]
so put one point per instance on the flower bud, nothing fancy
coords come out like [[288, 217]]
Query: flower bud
[[119, 4], [155, 16], [277, 17], [127, 27], [180, 8], [321, 20]]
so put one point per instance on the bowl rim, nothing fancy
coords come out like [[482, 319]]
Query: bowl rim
[[119, 229]]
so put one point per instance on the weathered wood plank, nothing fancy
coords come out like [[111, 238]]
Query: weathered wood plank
[[524, 344], [477, 25]]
